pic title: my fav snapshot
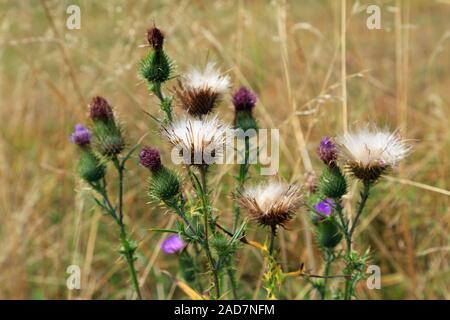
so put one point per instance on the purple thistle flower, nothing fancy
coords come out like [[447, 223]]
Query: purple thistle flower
[[100, 110], [81, 135], [156, 38], [244, 99], [325, 207], [150, 158], [173, 244], [327, 151]]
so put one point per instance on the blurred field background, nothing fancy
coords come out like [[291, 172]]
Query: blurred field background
[[290, 54]]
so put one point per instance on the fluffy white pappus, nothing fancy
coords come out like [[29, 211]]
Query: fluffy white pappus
[[202, 141], [371, 148], [208, 78], [273, 203]]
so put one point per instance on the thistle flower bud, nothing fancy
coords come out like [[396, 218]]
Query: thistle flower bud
[[156, 67], [173, 244], [100, 110], [150, 158], [107, 139], [243, 119], [164, 185], [244, 99], [81, 136], [332, 183], [156, 38], [89, 166], [328, 233], [327, 151]]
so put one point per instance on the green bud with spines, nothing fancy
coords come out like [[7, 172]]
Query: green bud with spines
[[244, 120], [328, 234], [332, 183], [89, 166], [108, 139], [244, 101], [156, 67], [164, 185]]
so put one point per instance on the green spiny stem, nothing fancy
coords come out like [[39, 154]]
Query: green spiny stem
[[204, 195], [242, 177], [273, 233], [328, 261], [349, 283], [128, 251], [364, 196], [178, 208], [129, 256], [157, 91], [231, 275]]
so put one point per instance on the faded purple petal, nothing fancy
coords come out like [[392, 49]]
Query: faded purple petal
[[325, 207], [150, 158], [156, 38], [173, 244], [81, 135], [327, 151], [244, 99]]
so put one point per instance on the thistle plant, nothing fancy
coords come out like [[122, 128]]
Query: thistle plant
[[105, 145], [271, 205], [367, 154], [157, 68], [203, 239]]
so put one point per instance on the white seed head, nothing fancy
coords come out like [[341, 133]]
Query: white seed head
[[208, 78], [273, 203], [369, 152], [202, 140]]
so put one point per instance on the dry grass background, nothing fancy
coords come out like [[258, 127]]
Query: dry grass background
[[290, 54]]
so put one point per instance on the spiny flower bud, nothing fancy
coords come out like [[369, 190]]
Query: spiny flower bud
[[328, 233], [100, 110], [89, 166], [150, 158], [164, 185], [156, 67], [156, 38], [332, 183], [81, 135], [243, 119], [107, 139], [244, 99], [327, 151]]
